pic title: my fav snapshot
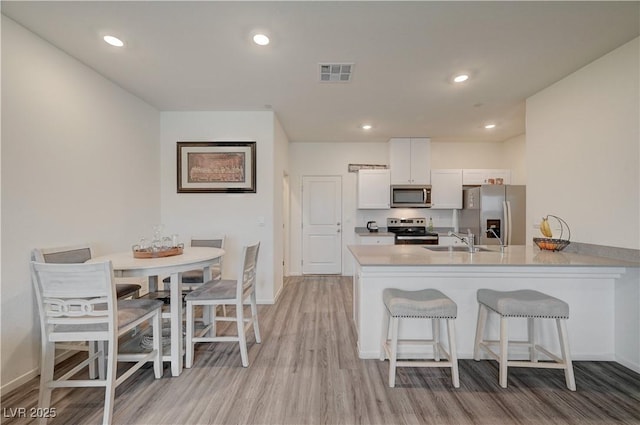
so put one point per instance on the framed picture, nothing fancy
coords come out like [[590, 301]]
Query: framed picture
[[218, 167]]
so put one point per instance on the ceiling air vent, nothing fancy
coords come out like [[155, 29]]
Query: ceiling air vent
[[336, 72]]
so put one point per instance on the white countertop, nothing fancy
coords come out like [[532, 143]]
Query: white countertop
[[515, 255]]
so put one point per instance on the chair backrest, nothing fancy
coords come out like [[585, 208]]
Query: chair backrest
[[216, 241], [75, 300], [248, 270], [213, 241], [64, 254]]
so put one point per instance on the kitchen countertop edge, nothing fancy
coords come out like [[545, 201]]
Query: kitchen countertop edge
[[514, 256]]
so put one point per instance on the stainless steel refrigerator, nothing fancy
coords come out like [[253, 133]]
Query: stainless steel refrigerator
[[501, 206]]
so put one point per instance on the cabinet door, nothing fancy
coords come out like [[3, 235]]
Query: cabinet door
[[449, 241], [482, 176], [505, 175], [446, 189], [410, 160], [474, 176], [373, 189], [399, 161], [375, 240], [420, 161]]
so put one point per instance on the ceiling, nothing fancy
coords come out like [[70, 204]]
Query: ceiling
[[199, 55]]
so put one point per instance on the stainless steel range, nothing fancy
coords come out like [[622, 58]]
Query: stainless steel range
[[411, 231]]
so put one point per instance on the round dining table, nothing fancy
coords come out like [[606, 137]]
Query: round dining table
[[125, 265]]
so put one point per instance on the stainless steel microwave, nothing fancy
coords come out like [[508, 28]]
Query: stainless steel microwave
[[410, 196]]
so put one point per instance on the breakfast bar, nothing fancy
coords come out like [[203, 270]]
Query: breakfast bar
[[603, 294]]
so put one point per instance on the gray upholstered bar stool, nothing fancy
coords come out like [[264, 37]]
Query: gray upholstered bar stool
[[424, 304], [531, 305]]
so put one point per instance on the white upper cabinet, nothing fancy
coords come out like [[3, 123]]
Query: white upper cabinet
[[446, 189], [373, 189], [485, 176], [410, 160]]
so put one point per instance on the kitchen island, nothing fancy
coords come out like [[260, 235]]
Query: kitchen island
[[603, 295]]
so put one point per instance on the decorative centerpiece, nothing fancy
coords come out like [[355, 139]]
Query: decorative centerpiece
[[160, 246], [548, 243]]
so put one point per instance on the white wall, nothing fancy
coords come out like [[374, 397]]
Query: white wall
[[242, 217], [515, 158], [583, 150], [79, 164], [281, 207], [454, 154], [334, 158], [330, 159]]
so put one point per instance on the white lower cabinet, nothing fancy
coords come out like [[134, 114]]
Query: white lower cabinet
[[374, 240], [449, 241]]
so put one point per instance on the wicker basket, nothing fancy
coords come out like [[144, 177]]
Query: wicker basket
[[551, 244], [148, 253]]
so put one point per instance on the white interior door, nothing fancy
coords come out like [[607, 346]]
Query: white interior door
[[321, 224]]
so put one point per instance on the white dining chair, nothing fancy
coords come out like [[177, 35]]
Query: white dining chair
[[74, 254], [193, 278], [77, 302], [80, 254], [226, 292]]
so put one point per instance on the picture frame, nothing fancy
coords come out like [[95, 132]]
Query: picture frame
[[216, 167]]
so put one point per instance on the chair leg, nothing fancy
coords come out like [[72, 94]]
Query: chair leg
[[46, 377], [453, 357], [110, 384], [157, 344], [102, 361], [208, 314], [566, 354], [211, 314], [482, 320], [533, 353], [254, 316], [242, 339], [504, 352], [188, 361], [393, 351], [435, 328], [385, 333], [93, 372]]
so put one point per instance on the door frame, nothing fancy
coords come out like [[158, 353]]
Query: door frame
[[302, 219]]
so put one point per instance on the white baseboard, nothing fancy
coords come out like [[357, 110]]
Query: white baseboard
[[629, 365], [19, 381], [23, 379]]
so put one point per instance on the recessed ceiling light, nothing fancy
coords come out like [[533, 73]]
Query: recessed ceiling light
[[460, 78], [489, 126], [366, 126], [114, 41], [261, 39]]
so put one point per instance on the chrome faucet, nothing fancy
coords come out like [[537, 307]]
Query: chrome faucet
[[491, 229], [469, 239]]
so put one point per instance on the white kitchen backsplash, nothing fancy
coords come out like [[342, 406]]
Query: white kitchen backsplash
[[441, 218]]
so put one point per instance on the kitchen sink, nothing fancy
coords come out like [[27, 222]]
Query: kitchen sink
[[455, 248]]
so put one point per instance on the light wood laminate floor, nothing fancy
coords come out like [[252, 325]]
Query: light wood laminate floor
[[307, 371]]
